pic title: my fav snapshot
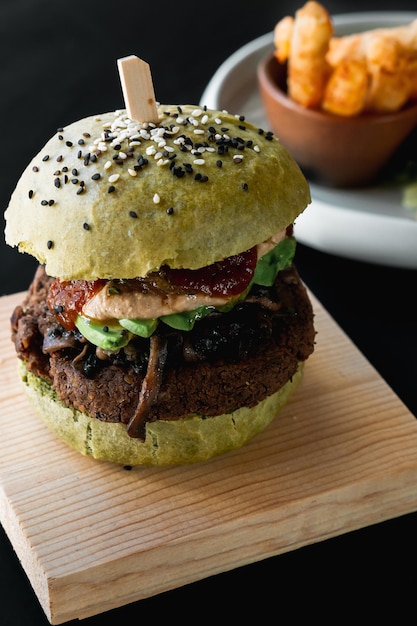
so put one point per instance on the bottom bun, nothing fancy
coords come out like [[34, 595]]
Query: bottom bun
[[189, 440]]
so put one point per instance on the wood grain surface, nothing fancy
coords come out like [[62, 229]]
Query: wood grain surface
[[92, 536]]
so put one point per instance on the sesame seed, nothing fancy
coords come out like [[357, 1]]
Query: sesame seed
[[46, 157], [113, 178], [219, 163], [49, 244], [132, 172], [51, 202], [86, 226], [30, 193], [80, 190], [60, 158], [111, 189], [44, 202], [35, 168], [199, 161], [156, 199], [107, 165], [69, 144], [245, 186], [133, 214], [237, 158], [57, 183], [96, 176], [170, 210]]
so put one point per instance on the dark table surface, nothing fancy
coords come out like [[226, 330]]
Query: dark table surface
[[58, 64]]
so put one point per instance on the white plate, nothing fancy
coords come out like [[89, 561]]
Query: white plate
[[364, 224]]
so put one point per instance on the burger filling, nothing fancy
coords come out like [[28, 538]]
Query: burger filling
[[208, 341]]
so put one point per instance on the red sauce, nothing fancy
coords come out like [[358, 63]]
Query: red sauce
[[66, 298], [229, 277]]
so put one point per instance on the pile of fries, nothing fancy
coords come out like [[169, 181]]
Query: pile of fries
[[372, 71]]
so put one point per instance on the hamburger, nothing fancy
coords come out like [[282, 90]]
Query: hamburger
[[166, 322]]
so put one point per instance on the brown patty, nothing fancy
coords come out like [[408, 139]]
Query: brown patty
[[227, 361]]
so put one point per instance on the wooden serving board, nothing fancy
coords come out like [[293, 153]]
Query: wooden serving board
[[92, 536]]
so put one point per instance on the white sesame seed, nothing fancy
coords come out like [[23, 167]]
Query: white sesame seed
[[122, 155], [157, 155], [113, 178], [169, 149], [197, 112], [108, 164], [162, 162], [199, 161], [150, 150], [132, 172], [256, 148], [198, 131], [238, 158], [180, 120], [156, 199], [217, 120], [204, 119]]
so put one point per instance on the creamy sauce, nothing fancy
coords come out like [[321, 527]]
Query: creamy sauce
[[159, 299]]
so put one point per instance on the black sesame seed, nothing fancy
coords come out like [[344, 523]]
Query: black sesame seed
[[128, 468], [46, 157], [65, 169], [219, 163], [57, 183], [51, 202], [80, 190], [60, 137], [81, 142], [44, 203], [58, 309], [35, 168], [74, 172], [170, 210], [69, 144], [245, 186], [111, 189], [30, 193], [86, 135], [74, 181], [80, 154], [60, 130], [133, 214], [49, 244], [96, 176], [105, 329], [204, 179], [86, 226]]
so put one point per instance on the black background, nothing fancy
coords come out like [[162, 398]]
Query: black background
[[58, 64]]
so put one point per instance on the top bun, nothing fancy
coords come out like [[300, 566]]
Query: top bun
[[111, 198]]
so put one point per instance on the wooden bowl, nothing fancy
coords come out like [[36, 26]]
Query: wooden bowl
[[335, 150]]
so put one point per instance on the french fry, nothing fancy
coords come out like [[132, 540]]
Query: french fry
[[308, 69], [346, 90], [282, 38]]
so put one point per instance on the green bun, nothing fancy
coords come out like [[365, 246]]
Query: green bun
[[174, 442], [82, 209]]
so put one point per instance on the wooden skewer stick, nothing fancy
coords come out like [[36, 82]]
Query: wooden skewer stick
[[138, 91]]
